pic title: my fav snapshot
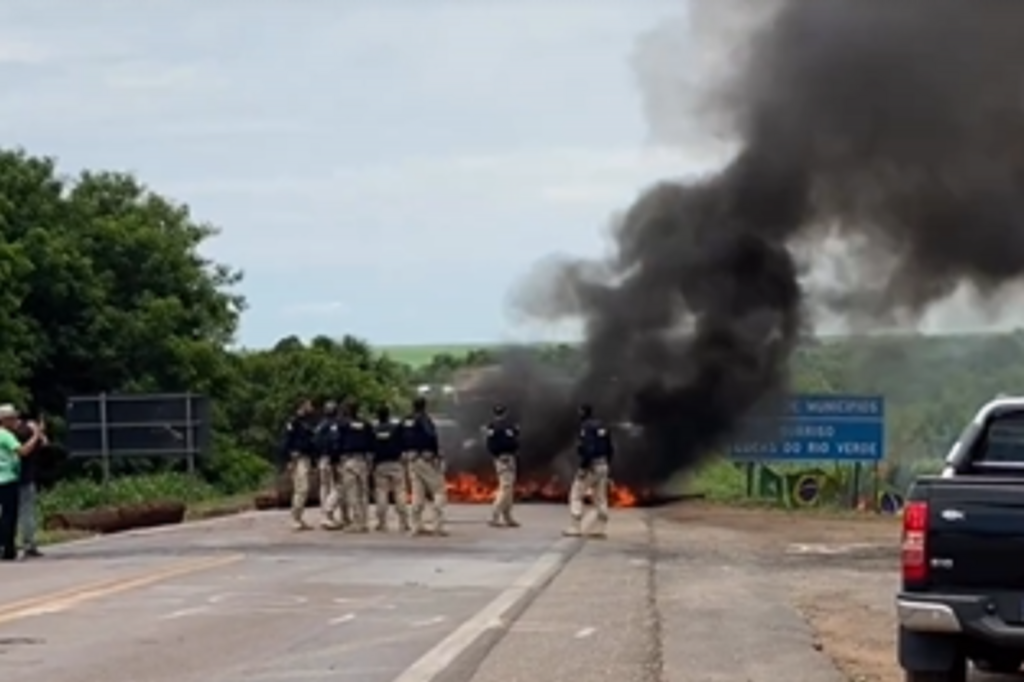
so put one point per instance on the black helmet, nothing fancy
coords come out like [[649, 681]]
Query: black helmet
[[499, 410], [419, 404], [384, 413], [586, 411]]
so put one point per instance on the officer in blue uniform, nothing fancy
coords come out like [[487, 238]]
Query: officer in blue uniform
[[356, 455], [426, 467], [329, 436], [595, 450], [503, 444], [390, 473], [298, 449]]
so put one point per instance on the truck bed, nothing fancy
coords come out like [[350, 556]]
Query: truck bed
[[975, 533]]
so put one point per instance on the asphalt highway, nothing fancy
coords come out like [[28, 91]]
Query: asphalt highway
[[247, 599]]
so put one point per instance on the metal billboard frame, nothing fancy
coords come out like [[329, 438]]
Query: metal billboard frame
[[195, 423]]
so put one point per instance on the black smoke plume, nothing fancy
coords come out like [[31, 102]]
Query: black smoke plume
[[893, 126]]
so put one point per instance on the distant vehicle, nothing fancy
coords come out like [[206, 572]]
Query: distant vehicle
[[962, 595]]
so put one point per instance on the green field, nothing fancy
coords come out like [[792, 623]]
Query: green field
[[417, 356]]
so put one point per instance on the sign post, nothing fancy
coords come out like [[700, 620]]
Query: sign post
[[166, 426], [844, 429]]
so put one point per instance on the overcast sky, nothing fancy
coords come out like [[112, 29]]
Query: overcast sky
[[388, 169]]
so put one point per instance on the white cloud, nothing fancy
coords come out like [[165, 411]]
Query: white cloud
[[445, 209], [150, 76], [359, 140], [18, 50]]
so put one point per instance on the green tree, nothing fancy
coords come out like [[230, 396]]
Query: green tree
[[116, 295]]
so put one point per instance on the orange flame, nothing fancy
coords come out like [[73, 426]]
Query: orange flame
[[464, 487]]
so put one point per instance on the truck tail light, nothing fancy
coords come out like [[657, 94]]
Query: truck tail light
[[915, 535]]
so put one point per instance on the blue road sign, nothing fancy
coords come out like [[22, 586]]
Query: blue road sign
[[843, 428]]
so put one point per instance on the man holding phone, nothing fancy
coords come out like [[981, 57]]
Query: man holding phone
[[28, 492], [12, 451]]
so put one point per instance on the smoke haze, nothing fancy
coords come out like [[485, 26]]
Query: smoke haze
[[885, 137]]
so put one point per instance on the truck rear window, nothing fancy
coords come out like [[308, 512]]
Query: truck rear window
[[1003, 441]]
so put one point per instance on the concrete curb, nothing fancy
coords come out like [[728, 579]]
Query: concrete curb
[[458, 657]]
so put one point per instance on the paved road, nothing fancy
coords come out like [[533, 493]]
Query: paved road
[[246, 599]]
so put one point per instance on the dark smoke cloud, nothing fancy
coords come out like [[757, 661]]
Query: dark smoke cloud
[[894, 126]]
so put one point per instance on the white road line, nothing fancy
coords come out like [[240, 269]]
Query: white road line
[[429, 621], [342, 619], [271, 600], [435, 661], [181, 613], [585, 632]]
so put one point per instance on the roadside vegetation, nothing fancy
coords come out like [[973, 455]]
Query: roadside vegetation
[[105, 289], [932, 386]]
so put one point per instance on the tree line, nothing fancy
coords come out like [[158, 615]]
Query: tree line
[[104, 289], [932, 384]]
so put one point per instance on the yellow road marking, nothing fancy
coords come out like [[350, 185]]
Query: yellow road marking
[[75, 596]]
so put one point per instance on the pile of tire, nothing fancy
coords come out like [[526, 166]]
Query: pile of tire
[[119, 519]]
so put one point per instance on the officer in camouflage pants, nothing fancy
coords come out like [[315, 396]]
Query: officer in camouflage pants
[[426, 468], [503, 444], [390, 471], [299, 448], [328, 443], [595, 450], [356, 452]]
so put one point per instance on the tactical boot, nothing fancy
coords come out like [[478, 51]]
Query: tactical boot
[[573, 529], [381, 527], [494, 523], [511, 523], [330, 524], [418, 532], [597, 530], [441, 532], [299, 525]]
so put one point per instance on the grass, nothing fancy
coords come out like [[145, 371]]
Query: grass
[[418, 356], [84, 494], [724, 482], [203, 501]]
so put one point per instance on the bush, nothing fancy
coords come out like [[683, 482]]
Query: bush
[[82, 494], [233, 471], [719, 480]]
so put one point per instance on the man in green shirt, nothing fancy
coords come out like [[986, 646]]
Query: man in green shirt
[[11, 452]]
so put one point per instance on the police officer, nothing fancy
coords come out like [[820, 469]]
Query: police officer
[[389, 471], [298, 450], [503, 444], [426, 467], [329, 434], [595, 450], [356, 451]]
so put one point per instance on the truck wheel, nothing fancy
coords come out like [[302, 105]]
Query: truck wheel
[[1008, 663]]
